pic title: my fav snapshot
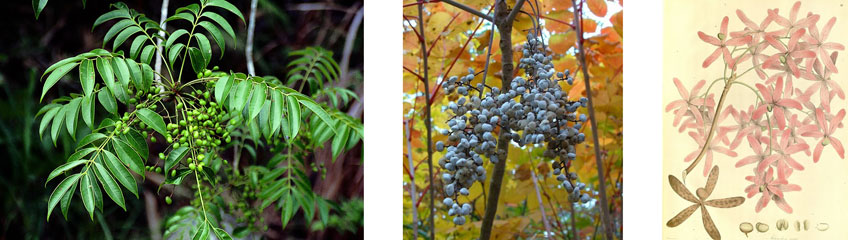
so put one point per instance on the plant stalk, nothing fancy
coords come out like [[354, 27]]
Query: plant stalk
[[503, 20], [427, 121], [578, 18]]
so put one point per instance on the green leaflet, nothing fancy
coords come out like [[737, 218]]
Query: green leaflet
[[129, 156], [242, 92], [257, 100], [60, 191], [86, 70], [216, 34], [204, 46], [126, 33], [114, 14], [202, 232], [123, 74], [109, 185], [198, 62], [174, 52], [71, 116], [63, 168], [90, 138], [54, 77], [227, 6], [222, 88], [136, 45], [108, 101], [79, 154], [37, 6], [87, 110], [174, 157], [135, 73], [58, 123], [87, 193], [104, 67], [120, 172], [315, 108], [116, 29], [276, 114], [289, 206], [147, 54], [294, 116], [221, 21], [152, 119], [148, 76], [174, 36], [46, 120], [340, 141], [222, 235]]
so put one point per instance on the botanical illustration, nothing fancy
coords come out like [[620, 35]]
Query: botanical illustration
[[512, 119], [780, 72]]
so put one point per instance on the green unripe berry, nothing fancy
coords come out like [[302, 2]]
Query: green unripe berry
[[191, 166], [168, 200], [200, 75], [152, 139], [207, 73], [179, 106], [173, 173], [161, 155]]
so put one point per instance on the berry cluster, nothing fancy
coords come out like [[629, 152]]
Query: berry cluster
[[542, 115]]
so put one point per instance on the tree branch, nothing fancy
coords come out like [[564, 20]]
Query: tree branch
[[163, 14], [605, 218], [349, 40], [248, 48], [427, 120], [504, 24], [411, 180], [468, 9]]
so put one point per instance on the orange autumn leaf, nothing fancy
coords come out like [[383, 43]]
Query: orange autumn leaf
[[598, 7], [559, 20], [589, 25], [560, 43]]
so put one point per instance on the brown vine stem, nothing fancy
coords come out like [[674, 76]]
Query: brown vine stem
[[427, 121], [605, 218], [703, 152], [503, 20]]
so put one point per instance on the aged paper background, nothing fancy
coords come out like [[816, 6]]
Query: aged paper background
[[824, 184]]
